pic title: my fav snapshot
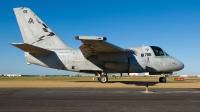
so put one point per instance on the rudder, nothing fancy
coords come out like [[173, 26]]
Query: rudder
[[35, 32]]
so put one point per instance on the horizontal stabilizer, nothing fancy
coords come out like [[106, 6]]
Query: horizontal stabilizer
[[32, 49]]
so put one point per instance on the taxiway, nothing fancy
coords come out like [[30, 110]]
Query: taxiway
[[98, 100]]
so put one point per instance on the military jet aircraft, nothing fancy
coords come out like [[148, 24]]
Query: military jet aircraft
[[43, 47]]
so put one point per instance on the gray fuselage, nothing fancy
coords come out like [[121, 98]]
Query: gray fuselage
[[138, 59]]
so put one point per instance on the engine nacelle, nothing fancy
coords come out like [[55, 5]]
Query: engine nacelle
[[160, 73], [131, 61], [123, 67]]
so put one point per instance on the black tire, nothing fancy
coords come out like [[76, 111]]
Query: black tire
[[99, 79], [103, 79], [162, 79]]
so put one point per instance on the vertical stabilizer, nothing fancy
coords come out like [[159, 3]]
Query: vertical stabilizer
[[35, 32]]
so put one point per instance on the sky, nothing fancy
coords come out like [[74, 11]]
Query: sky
[[173, 25]]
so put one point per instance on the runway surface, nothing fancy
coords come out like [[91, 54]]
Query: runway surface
[[99, 100], [86, 84]]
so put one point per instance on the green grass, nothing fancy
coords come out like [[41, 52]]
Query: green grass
[[90, 78], [143, 79], [45, 78]]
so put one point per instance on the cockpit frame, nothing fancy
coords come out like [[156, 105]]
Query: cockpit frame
[[158, 51]]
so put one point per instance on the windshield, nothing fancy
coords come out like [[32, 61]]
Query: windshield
[[166, 54], [158, 51]]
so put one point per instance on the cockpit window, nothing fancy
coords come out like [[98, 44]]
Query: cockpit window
[[158, 51], [166, 54]]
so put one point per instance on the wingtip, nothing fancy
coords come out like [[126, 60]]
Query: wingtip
[[16, 43], [12, 43], [20, 8]]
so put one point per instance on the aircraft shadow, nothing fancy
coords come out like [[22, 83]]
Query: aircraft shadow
[[137, 83]]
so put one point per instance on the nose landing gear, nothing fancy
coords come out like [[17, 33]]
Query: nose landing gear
[[162, 79]]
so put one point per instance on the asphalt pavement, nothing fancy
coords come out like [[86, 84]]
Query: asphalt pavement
[[98, 100]]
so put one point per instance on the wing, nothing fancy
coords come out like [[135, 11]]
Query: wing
[[97, 45]]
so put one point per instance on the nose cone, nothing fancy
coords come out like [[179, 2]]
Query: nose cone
[[179, 65]]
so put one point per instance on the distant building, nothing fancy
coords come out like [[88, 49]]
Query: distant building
[[133, 74], [183, 75], [146, 74], [12, 75]]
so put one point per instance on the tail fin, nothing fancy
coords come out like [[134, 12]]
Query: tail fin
[[35, 32]]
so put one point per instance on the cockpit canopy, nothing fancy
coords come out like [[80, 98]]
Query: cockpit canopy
[[158, 51]]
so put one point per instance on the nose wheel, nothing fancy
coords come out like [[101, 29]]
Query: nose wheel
[[162, 79]]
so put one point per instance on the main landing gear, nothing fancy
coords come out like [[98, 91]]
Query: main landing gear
[[103, 78], [162, 79]]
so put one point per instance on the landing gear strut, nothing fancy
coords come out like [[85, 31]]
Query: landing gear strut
[[102, 77], [162, 79]]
